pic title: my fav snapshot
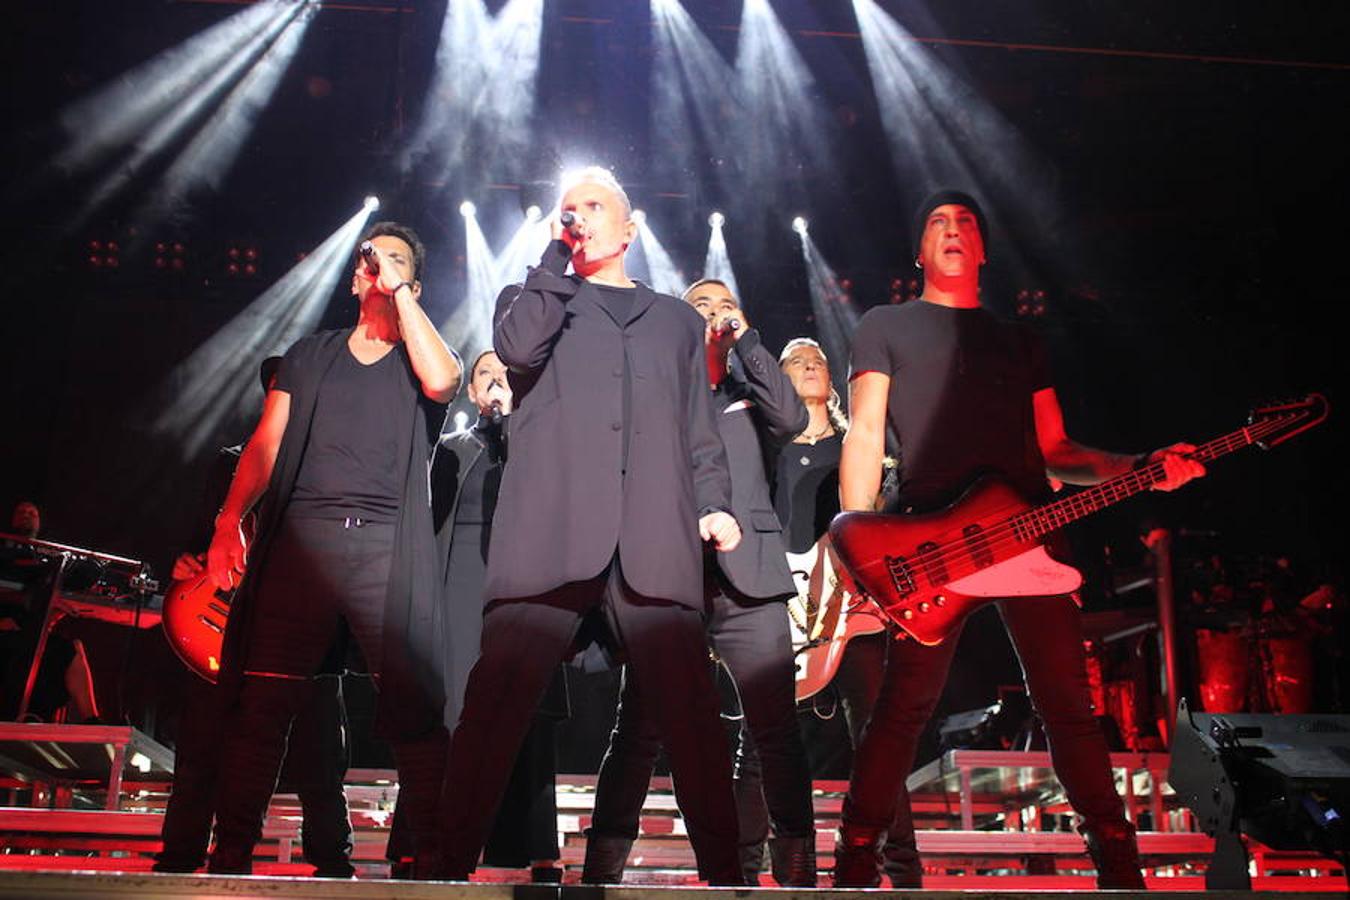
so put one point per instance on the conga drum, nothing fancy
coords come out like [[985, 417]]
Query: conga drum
[[1224, 661]]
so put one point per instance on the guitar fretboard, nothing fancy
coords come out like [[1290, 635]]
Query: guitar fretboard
[[1042, 520]]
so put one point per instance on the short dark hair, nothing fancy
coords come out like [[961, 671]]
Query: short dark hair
[[473, 366], [403, 233], [689, 291]]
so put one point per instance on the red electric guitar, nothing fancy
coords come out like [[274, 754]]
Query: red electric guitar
[[928, 571], [195, 615]]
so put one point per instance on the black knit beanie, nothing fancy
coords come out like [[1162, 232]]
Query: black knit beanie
[[942, 198]]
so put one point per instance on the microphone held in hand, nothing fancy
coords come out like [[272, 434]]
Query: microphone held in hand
[[729, 325], [568, 219], [371, 258]]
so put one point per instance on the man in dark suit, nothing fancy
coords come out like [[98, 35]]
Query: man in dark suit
[[616, 472], [747, 628], [465, 483]]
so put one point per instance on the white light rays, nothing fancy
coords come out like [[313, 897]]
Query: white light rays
[[759, 124], [108, 119], [831, 307], [208, 158], [469, 327], [662, 273], [693, 97], [717, 264], [170, 115], [478, 110], [940, 126], [785, 135], [214, 383]]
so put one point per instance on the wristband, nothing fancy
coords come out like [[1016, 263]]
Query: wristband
[[402, 284]]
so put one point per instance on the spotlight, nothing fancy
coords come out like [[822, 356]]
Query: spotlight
[[533, 213], [467, 209], [716, 219], [799, 225], [372, 203], [639, 217]]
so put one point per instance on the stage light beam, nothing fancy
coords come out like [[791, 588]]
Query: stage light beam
[[479, 108], [784, 129], [938, 123], [214, 384], [717, 262], [652, 256], [832, 308], [211, 154], [694, 103]]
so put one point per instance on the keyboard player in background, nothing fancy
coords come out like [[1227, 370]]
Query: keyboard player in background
[[64, 681]]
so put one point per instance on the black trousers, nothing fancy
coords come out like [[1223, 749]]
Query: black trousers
[[316, 761], [320, 573], [523, 641], [752, 641], [1048, 636]]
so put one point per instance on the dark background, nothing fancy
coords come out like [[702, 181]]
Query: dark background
[[1191, 266]]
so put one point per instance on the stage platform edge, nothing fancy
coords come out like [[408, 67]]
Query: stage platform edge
[[77, 885]]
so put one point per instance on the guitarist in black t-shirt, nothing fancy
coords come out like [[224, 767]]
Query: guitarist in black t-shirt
[[965, 394]]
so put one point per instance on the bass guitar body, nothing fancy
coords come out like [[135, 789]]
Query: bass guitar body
[[928, 571]]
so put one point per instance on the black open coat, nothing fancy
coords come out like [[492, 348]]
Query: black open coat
[[411, 683]]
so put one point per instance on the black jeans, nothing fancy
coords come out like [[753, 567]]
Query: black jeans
[[316, 761], [1048, 636], [753, 643], [319, 573], [523, 641]]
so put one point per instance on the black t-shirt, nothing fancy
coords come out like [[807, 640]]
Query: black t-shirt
[[806, 490], [960, 396], [357, 450]]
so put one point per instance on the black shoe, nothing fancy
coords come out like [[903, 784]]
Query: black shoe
[[752, 862], [857, 862], [1115, 853], [900, 859], [546, 874], [794, 860], [606, 858], [176, 866]]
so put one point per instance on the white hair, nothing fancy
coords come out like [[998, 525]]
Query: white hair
[[601, 176]]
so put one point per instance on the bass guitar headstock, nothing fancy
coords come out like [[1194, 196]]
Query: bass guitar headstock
[[1278, 422]]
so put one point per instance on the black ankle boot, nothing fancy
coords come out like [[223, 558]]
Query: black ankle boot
[[794, 860], [606, 858], [752, 862], [856, 857], [1115, 853], [900, 859]]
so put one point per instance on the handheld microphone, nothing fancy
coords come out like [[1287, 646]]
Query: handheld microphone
[[372, 260], [729, 324], [568, 219]]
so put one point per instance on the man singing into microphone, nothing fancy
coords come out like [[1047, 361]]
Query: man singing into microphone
[[339, 460], [616, 473]]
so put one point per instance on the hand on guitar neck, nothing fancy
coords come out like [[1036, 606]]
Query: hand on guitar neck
[[1179, 466]]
